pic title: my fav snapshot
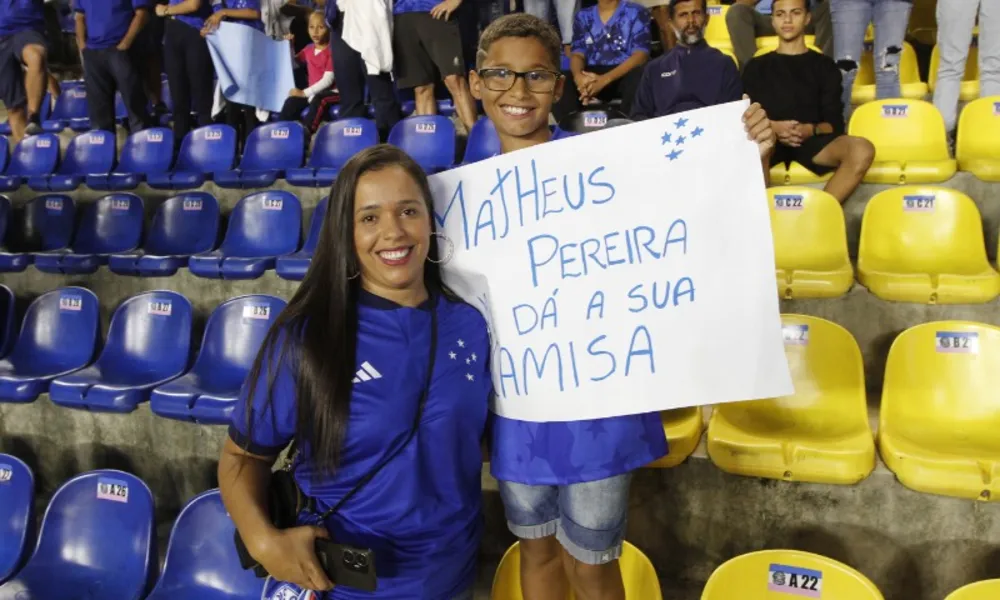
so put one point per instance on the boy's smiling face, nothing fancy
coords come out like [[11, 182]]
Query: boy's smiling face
[[521, 117]]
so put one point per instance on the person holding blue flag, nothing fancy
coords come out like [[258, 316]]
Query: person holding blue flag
[[381, 378], [240, 117]]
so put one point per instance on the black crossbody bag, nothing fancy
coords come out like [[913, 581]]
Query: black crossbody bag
[[285, 499]]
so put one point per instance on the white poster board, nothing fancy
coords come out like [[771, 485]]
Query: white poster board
[[622, 271]]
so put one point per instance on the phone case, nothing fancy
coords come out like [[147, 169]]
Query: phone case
[[347, 565]]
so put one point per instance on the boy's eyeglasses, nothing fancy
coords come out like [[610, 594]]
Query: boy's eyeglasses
[[539, 81]]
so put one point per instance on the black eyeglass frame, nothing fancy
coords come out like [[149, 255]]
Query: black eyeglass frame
[[519, 75]]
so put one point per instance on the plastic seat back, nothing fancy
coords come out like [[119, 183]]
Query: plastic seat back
[[147, 151], [150, 334], [183, 225], [71, 104], [4, 153], [315, 227], [280, 145], [47, 223], [35, 155], [716, 30], [429, 139], [978, 145], [111, 224], [483, 142], [59, 331], [773, 574], [264, 224], [8, 320], [233, 334], [208, 149], [939, 415], [201, 554], [100, 521], [89, 153], [17, 497], [338, 141], [982, 590], [922, 230], [902, 130], [638, 575]]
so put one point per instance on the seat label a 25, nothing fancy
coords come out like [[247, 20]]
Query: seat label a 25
[[795, 581], [115, 490]]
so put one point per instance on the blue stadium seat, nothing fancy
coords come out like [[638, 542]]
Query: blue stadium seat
[[182, 226], [335, 143], [483, 142], [204, 151], [34, 155], [47, 225], [429, 139], [17, 500], [98, 540], [4, 153], [148, 344], [146, 152], [262, 227], [70, 111], [208, 393], [89, 153], [57, 337], [8, 322], [269, 151], [5, 215], [294, 266], [111, 225], [201, 559]]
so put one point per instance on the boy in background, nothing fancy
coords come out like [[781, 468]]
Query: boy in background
[[570, 518]]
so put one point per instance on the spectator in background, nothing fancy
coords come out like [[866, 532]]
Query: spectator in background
[[956, 19], [610, 46], [240, 117], [800, 90], [427, 43], [368, 24], [105, 32], [148, 56], [566, 11], [189, 64], [850, 22], [320, 94], [23, 74], [747, 22], [661, 16]]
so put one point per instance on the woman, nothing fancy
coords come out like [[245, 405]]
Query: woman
[[188, 62], [343, 372]]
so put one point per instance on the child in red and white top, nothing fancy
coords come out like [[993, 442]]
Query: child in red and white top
[[321, 93]]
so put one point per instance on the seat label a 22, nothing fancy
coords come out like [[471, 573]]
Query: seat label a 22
[[795, 581]]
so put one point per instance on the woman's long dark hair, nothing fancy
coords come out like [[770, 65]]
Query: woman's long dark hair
[[316, 334]]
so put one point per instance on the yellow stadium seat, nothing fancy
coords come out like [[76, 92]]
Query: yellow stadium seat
[[683, 427], [810, 243], [983, 590], [818, 434], [768, 43], [637, 572], [787, 574], [729, 52], [910, 85], [939, 418], [795, 174], [909, 138], [717, 32], [925, 244], [969, 89], [978, 145]]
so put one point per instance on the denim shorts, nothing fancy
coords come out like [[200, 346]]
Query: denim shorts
[[587, 518]]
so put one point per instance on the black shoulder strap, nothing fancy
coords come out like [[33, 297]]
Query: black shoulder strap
[[413, 430]]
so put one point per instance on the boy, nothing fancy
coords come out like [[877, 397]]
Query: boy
[[800, 89], [105, 32], [570, 518], [22, 64]]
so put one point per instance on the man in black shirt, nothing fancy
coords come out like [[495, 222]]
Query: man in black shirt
[[801, 91]]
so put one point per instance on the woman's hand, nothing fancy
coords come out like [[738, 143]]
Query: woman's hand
[[296, 93], [290, 555], [212, 22], [161, 10]]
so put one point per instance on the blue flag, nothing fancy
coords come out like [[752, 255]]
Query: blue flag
[[252, 68]]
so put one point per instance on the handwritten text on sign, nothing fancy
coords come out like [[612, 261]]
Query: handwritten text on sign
[[622, 271]]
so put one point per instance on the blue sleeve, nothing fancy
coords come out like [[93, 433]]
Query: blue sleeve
[[640, 31], [579, 44], [268, 426], [78, 6]]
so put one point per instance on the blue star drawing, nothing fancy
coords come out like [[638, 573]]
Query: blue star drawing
[[675, 154], [680, 140], [697, 131], [665, 139], [680, 123]]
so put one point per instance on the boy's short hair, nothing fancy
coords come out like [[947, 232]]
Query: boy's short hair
[[521, 25], [805, 3]]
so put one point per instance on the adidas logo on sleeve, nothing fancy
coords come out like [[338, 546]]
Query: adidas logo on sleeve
[[366, 373]]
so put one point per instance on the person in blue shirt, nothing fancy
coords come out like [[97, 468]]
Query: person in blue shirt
[[105, 32], [343, 371], [23, 74], [564, 485], [610, 46], [190, 73]]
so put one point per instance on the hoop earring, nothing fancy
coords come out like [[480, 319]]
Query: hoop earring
[[355, 276], [451, 249]]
